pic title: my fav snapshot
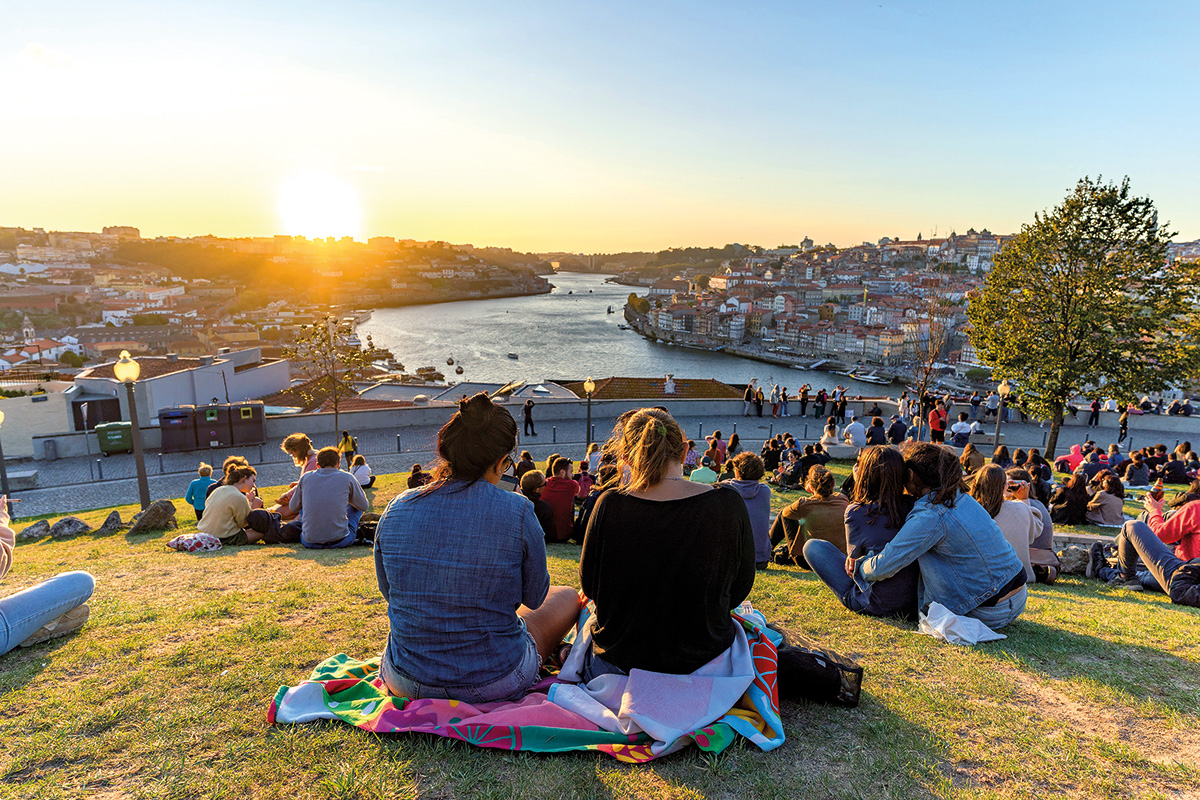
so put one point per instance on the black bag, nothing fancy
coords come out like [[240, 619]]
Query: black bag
[[810, 672], [366, 532]]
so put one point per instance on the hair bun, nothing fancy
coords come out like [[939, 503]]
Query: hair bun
[[477, 411]]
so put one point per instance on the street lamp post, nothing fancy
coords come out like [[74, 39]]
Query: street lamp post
[[127, 371], [589, 386], [1003, 390], [4, 473]]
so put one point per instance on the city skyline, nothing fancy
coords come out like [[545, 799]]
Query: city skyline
[[590, 130]]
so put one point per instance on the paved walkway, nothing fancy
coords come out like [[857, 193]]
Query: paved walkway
[[75, 484]]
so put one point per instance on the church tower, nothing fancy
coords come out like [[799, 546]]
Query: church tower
[[27, 331]]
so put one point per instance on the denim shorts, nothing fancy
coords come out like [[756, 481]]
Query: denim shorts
[[512, 686]]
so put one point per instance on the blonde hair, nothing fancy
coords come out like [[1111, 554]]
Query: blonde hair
[[298, 446], [987, 487], [593, 448], [204, 470], [648, 442]]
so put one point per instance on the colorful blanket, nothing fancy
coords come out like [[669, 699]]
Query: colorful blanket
[[343, 688]]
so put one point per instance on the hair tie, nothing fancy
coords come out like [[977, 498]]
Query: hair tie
[[662, 429]]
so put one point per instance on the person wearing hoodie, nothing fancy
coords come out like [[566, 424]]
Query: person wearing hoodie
[[1071, 461], [747, 481], [559, 493]]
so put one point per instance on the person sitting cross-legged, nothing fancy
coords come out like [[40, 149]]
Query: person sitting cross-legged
[[332, 502], [227, 508], [462, 565], [822, 516]]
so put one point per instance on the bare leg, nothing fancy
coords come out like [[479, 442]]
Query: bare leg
[[549, 622]]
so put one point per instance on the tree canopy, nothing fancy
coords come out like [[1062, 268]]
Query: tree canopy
[[1083, 299]]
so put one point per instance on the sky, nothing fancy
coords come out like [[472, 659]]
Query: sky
[[591, 128]]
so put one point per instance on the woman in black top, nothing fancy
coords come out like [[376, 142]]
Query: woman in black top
[[1068, 504], [664, 559], [876, 513], [876, 434]]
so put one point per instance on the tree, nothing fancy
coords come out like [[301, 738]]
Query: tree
[[1083, 298], [937, 324], [330, 363], [639, 304]]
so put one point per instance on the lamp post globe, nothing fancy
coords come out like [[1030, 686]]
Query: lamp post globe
[[126, 369]]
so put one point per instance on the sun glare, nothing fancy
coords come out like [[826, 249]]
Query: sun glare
[[314, 204]]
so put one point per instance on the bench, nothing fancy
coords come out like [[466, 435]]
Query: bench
[[841, 450], [23, 479], [987, 438]]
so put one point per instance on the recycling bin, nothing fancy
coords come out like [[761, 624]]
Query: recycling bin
[[212, 426], [115, 437], [249, 422], [178, 427]]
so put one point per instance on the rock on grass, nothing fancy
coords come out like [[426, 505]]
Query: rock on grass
[[160, 515]]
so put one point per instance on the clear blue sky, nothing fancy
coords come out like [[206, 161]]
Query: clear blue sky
[[606, 127]]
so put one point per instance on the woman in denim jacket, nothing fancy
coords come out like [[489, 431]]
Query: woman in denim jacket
[[966, 563]]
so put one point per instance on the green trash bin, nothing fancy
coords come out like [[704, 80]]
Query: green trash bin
[[115, 437]]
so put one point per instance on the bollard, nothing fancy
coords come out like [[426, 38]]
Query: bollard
[[592, 438], [735, 427], [100, 470], [161, 469], [771, 435], [554, 434], [260, 456], [91, 472], [806, 430], [700, 431], [398, 450], [1044, 435]]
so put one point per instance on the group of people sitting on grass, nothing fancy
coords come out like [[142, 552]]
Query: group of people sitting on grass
[[322, 509]]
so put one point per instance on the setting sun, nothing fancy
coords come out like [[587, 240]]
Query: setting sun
[[315, 204]]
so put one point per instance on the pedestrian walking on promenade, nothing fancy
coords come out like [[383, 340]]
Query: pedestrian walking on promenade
[[783, 404], [1094, 417]]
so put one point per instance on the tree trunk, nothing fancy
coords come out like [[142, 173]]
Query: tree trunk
[[1052, 442]]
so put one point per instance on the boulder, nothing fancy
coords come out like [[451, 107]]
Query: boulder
[[112, 524], [1073, 560], [160, 515], [67, 527], [35, 531]]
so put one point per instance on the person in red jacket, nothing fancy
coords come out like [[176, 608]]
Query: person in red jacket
[[559, 494], [937, 423], [1175, 572]]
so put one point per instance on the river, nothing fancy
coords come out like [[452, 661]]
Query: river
[[566, 334]]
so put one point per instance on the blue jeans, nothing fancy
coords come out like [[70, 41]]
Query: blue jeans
[[24, 612], [1159, 560], [353, 515], [512, 686], [830, 565], [1004, 612]]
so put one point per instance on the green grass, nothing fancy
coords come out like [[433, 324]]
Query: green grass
[[1096, 693]]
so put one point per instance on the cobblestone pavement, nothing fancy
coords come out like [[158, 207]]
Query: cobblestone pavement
[[75, 484]]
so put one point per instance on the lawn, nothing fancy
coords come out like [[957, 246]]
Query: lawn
[[1096, 693]]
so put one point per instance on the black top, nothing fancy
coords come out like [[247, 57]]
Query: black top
[[894, 596], [664, 575], [896, 432], [876, 435]]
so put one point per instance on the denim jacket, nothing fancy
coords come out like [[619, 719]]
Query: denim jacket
[[454, 563], [963, 556]]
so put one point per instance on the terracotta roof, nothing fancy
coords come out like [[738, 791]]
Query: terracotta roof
[[652, 389], [361, 404], [152, 367]]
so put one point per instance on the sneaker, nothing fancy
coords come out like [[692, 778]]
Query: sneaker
[[1131, 582], [59, 626], [1095, 560]]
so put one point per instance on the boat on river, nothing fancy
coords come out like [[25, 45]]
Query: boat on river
[[871, 377], [513, 356]]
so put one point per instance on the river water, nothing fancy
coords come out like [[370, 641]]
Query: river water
[[564, 335]]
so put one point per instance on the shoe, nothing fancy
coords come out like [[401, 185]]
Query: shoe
[[59, 626], [1131, 582], [1095, 560]]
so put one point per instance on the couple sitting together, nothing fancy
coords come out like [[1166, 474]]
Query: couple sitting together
[[913, 536], [462, 564]]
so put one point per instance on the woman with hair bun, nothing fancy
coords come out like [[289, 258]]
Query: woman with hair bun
[[665, 559], [966, 563], [462, 564]]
